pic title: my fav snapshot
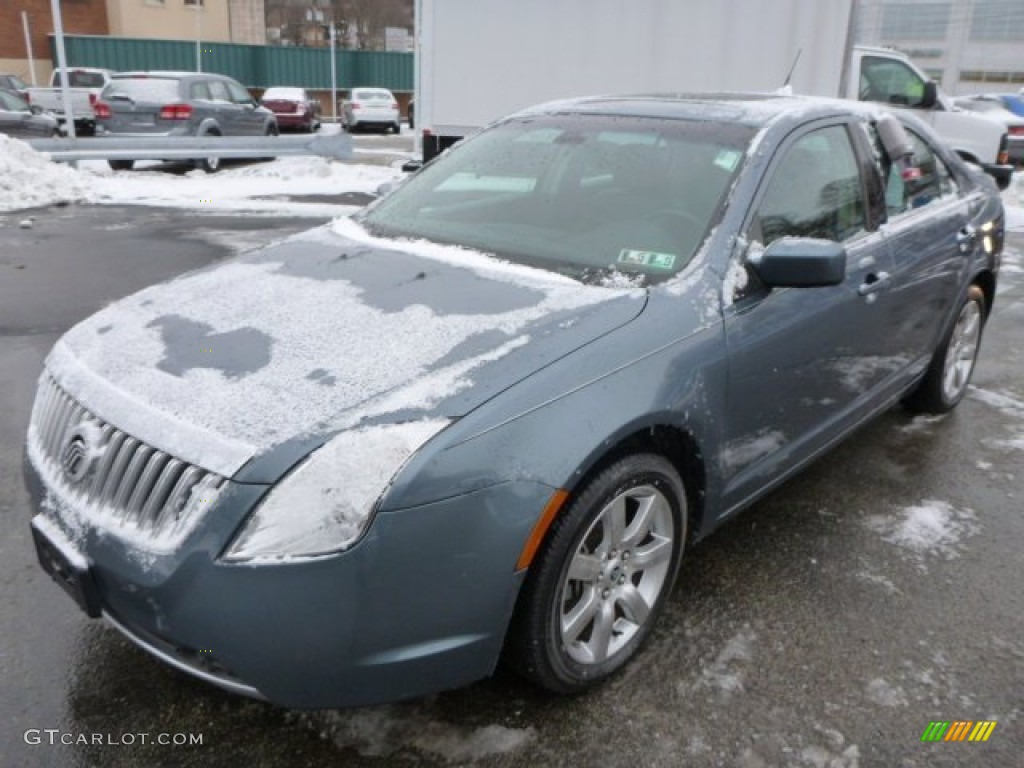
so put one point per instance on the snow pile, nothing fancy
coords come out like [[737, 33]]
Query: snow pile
[[259, 188], [28, 179], [932, 527]]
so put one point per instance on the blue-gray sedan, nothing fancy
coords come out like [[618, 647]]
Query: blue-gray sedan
[[484, 419]]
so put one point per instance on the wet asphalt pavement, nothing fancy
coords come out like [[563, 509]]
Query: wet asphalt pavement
[[826, 626]]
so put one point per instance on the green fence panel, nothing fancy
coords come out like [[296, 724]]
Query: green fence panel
[[256, 66]]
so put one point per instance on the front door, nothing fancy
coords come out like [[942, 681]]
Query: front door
[[804, 363]]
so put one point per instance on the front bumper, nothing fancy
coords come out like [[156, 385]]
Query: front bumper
[[421, 604]]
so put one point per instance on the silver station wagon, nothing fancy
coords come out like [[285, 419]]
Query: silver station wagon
[[485, 418]]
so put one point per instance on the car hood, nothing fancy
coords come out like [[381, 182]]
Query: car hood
[[321, 333]]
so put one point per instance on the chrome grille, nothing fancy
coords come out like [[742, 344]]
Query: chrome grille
[[130, 484]]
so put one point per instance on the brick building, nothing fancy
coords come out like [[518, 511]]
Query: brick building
[[80, 17], [240, 21]]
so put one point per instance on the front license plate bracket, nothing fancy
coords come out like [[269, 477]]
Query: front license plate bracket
[[74, 578]]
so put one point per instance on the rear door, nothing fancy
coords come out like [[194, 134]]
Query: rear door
[[930, 241], [223, 109]]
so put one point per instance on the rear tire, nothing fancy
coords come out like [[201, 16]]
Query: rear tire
[[121, 165], [208, 164], [602, 576], [949, 373]]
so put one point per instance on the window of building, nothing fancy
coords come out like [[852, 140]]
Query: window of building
[[997, 20], [915, 21]]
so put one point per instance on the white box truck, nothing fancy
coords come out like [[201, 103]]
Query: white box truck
[[479, 60]]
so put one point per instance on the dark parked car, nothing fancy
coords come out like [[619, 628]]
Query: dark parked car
[[150, 104], [22, 121], [13, 83], [488, 417], [293, 108]]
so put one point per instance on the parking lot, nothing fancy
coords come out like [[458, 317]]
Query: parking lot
[[826, 626]]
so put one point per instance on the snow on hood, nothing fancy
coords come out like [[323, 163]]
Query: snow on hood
[[315, 335]]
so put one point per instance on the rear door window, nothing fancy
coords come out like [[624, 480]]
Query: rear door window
[[199, 91], [219, 91]]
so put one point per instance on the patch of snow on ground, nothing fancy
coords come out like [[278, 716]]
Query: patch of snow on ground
[[819, 757], [1013, 202], [921, 423], [393, 729], [725, 673], [881, 581], [29, 180], [886, 695], [1008, 404], [1011, 407], [932, 527]]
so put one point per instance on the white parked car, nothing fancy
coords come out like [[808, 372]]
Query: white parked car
[[375, 107]]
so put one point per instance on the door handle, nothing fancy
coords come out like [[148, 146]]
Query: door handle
[[873, 281], [966, 237]]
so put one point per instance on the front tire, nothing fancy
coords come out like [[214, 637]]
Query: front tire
[[949, 374], [601, 579], [121, 165]]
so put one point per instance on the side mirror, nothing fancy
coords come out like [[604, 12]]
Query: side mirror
[[799, 262], [930, 96]]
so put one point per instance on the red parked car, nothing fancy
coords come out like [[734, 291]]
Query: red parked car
[[293, 107]]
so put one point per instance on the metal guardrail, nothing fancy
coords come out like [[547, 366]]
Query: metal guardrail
[[338, 146]]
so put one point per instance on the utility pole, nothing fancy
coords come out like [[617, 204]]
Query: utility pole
[[62, 67], [334, 76]]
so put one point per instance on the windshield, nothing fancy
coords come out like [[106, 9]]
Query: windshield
[[80, 79], [580, 195]]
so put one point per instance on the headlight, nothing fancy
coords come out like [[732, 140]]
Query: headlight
[[326, 502]]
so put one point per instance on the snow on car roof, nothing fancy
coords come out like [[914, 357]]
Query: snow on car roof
[[282, 92]]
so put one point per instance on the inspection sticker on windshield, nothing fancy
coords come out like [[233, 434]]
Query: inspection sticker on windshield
[[727, 159], [647, 259]]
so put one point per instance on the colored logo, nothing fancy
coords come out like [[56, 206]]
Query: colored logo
[[958, 730]]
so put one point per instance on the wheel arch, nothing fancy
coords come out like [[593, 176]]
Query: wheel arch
[[987, 282], [677, 444]]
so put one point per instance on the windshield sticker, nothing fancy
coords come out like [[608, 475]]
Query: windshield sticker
[[648, 259], [727, 159]]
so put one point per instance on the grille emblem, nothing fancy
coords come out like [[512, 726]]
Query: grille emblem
[[81, 452]]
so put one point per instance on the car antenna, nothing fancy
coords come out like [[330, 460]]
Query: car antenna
[[789, 76]]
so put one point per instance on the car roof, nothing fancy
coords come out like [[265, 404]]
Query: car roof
[[753, 109], [168, 73]]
